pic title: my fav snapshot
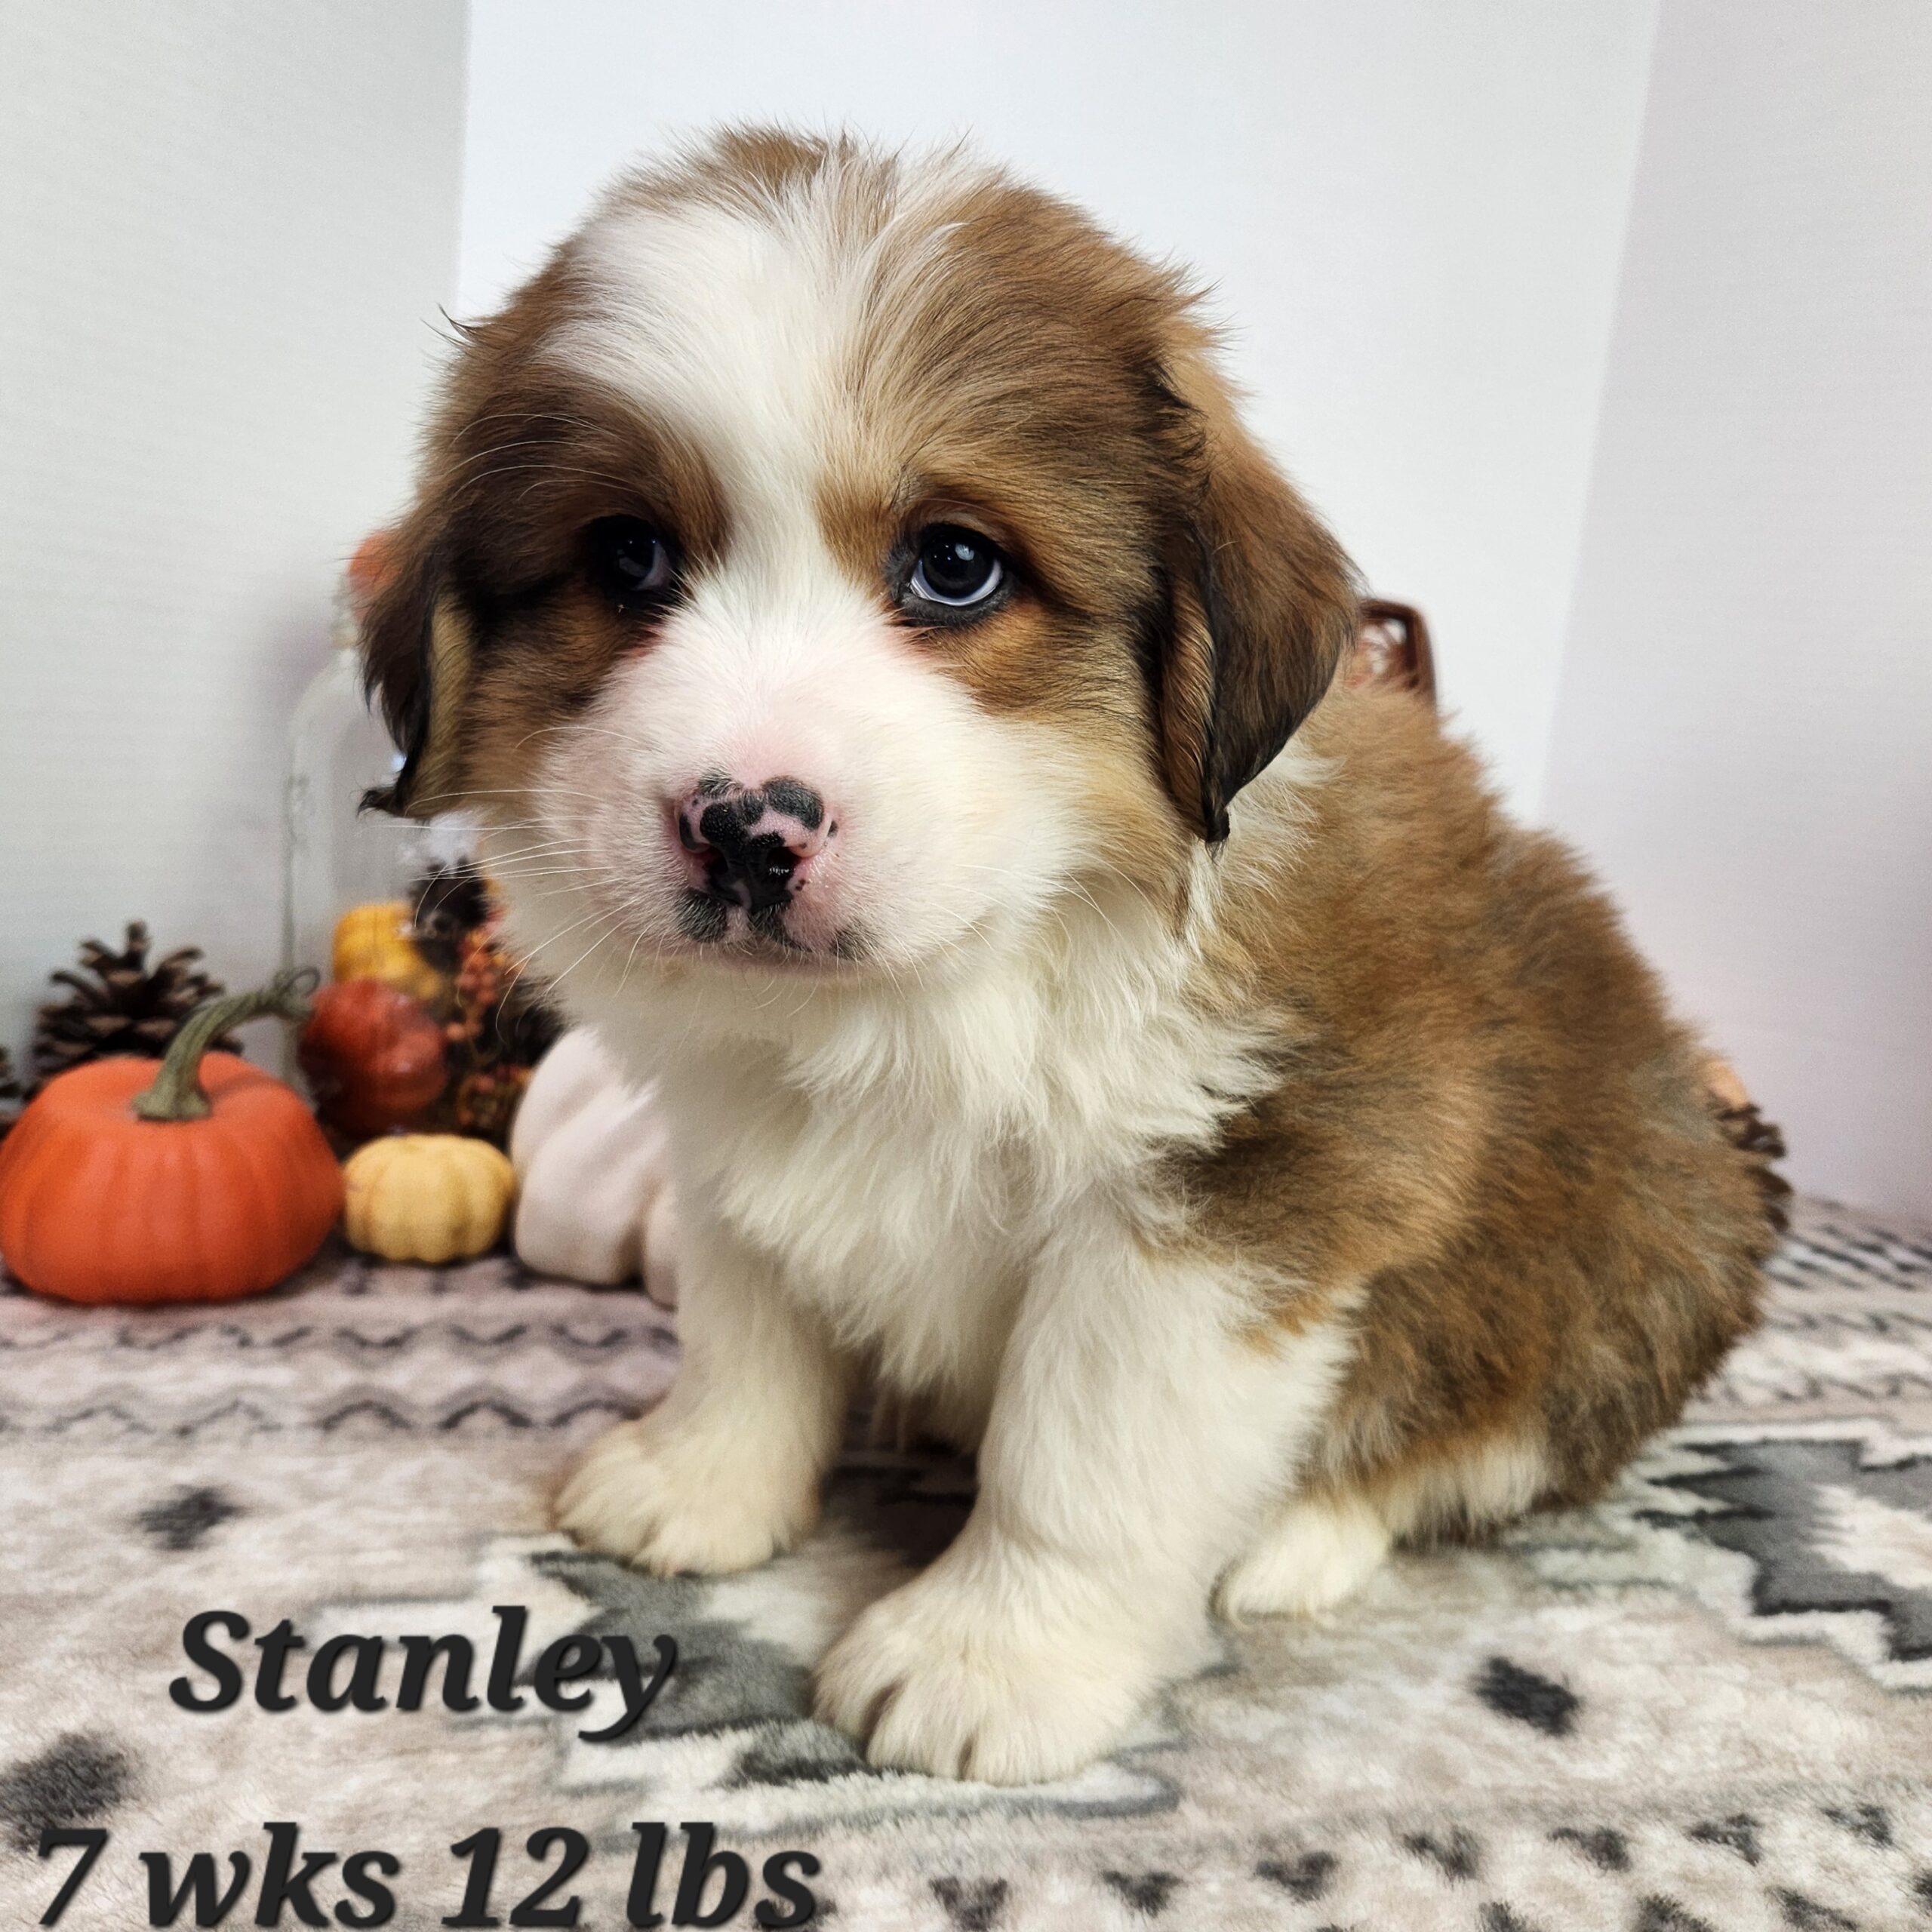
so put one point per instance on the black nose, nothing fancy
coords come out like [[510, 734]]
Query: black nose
[[752, 839]]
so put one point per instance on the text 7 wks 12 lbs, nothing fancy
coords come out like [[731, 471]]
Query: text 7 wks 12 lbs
[[311, 1887], [350, 1672]]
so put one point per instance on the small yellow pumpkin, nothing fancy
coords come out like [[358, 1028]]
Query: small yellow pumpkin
[[372, 942], [426, 1196]]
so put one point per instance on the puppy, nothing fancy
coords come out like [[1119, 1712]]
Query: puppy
[[902, 697]]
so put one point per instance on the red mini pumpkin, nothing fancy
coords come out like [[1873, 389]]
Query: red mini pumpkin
[[203, 1181], [373, 1056]]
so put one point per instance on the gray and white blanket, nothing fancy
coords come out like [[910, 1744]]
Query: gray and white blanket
[[1701, 1704]]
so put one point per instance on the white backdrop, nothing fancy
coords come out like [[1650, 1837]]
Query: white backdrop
[[225, 230], [228, 229], [1411, 212], [1415, 213], [1744, 739]]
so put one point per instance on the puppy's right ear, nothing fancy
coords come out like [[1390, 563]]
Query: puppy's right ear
[[416, 656]]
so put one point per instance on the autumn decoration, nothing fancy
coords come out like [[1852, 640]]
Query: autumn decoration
[[204, 1179], [373, 1056], [426, 1196]]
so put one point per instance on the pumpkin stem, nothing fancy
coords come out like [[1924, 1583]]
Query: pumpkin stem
[[176, 1092]]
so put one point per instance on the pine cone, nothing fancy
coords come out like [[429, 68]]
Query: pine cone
[[120, 1004]]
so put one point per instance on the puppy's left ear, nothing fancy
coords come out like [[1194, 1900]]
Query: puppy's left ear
[[417, 644], [1263, 607]]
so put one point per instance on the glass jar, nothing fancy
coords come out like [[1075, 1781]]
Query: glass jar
[[397, 901]]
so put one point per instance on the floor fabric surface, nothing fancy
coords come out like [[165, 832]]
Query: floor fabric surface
[[1702, 1704]]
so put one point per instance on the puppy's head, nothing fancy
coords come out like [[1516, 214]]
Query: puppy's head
[[829, 559]]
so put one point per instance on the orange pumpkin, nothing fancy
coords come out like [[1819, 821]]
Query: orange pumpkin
[[373, 1057], [205, 1180]]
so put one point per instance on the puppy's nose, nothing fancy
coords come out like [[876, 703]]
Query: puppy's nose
[[753, 841]]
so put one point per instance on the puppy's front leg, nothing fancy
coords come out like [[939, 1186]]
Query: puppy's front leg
[[725, 1472], [1144, 1411]]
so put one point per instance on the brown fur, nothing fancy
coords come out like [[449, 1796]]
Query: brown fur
[[1487, 1134], [1047, 387], [1485, 1116], [520, 458]]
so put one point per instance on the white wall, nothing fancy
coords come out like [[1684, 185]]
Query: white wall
[[227, 229], [1412, 210], [1745, 735], [225, 232]]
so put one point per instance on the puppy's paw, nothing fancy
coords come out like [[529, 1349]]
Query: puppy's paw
[[1307, 1558], [664, 1498], [931, 1679]]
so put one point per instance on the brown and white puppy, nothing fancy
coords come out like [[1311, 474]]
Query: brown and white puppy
[[844, 586]]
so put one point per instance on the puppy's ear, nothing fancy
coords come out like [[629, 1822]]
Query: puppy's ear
[[1262, 606], [416, 655]]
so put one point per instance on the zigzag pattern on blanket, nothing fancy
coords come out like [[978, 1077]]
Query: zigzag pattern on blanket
[[1699, 1705]]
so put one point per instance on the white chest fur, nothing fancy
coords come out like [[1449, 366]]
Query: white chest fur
[[903, 1160], [909, 1240]]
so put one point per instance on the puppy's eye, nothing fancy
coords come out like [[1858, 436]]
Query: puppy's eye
[[956, 568], [631, 562]]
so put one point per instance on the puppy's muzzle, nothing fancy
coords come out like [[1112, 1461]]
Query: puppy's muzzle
[[754, 844]]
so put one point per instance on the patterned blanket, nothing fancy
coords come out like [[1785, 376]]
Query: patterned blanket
[[1702, 1704]]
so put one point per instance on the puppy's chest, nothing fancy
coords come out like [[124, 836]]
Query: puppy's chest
[[909, 1233], [908, 1206]]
